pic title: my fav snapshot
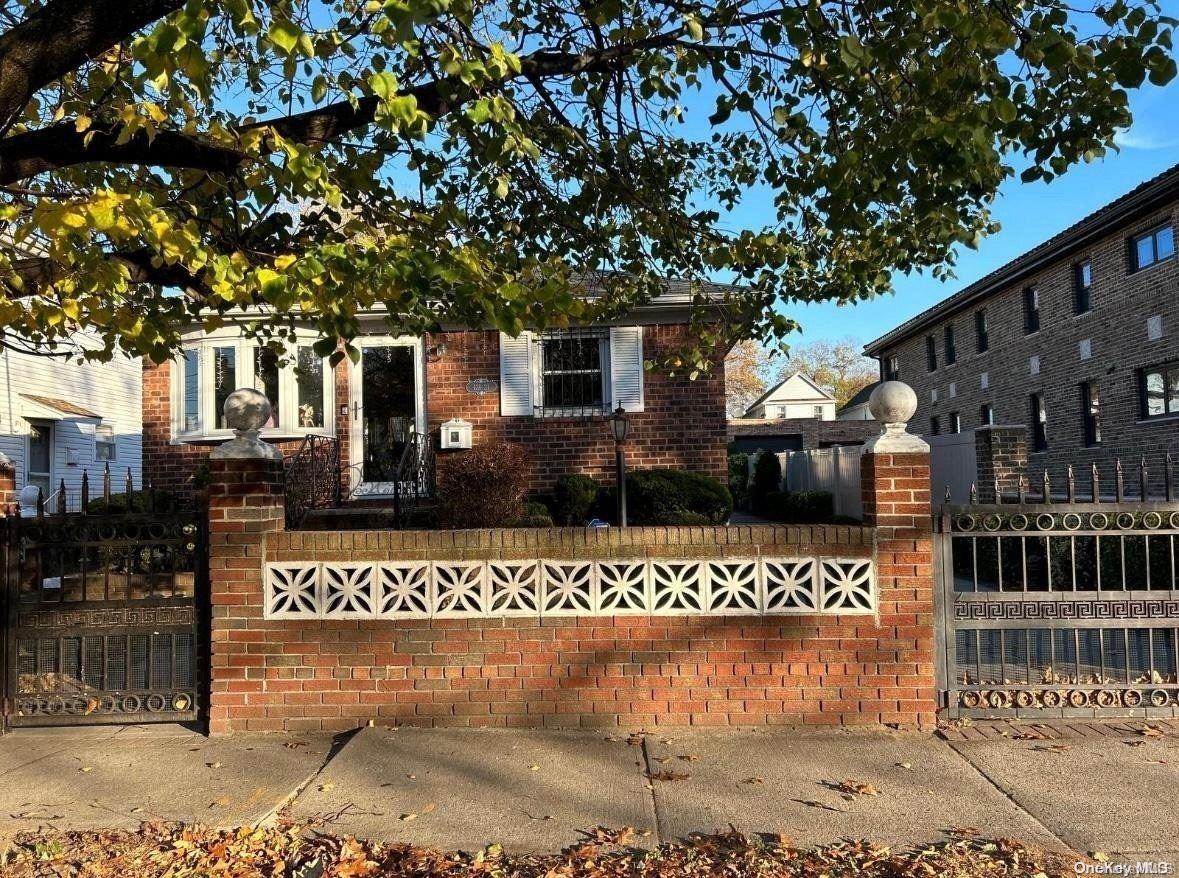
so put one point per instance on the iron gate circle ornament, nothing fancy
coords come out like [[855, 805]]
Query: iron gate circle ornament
[[1070, 521], [1125, 520], [1051, 698], [965, 522], [992, 522], [1078, 698], [1098, 521], [181, 701], [130, 704], [1131, 698], [155, 702], [1159, 697], [1024, 698], [999, 698], [106, 704], [1045, 521], [1152, 520], [1175, 520], [1019, 521], [1106, 698], [971, 699], [55, 705]]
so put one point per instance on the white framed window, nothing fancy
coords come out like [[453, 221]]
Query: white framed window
[[105, 449], [572, 372], [579, 372], [298, 383], [817, 411]]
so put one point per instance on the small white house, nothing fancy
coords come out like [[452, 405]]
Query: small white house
[[856, 408], [795, 397], [60, 418]]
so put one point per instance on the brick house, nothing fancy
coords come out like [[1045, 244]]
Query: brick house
[[546, 391], [1077, 339]]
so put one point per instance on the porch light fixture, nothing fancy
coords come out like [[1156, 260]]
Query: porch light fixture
[[620, 429], [436, 352]]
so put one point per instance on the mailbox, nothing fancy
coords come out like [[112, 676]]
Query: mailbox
[[456, 433]]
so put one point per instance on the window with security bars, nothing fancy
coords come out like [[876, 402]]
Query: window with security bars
[[573, 374]]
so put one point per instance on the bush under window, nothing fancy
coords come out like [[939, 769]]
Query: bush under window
[[484, 486]]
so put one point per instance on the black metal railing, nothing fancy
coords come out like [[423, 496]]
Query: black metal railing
[[413, 480], [312, 477], [1091, 487], [573, 368]]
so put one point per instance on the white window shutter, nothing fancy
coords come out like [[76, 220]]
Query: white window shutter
[[515, 374], [626, 367]]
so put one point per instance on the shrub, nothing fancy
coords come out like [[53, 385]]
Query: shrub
[[136, 501], [536, 514], [739, 477], [574, 498], [670, 496], [799, 507], [767, 478], [483, 486]]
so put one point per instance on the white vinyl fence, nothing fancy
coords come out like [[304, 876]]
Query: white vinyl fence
[[953, 466], [834, 470]]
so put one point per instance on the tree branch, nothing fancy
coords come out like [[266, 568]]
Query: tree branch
[[60, 36]]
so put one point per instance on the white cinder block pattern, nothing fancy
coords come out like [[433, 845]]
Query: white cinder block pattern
[[1085, 348], [349, 590], [1154, 328], [543, 588], [292, 591]]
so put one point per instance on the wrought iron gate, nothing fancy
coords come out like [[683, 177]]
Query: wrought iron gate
[[104, 616], [1059, 609]]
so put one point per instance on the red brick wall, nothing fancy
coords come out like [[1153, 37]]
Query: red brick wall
[[578, 672], [683, 425]]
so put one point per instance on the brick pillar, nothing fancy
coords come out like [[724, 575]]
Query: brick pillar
[[8, 494], [245, 504], [1001, 454], [894, 484]]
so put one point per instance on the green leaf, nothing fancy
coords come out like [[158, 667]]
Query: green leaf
[[284, 35]]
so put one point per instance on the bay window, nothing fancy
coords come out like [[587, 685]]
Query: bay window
[[296, 381]]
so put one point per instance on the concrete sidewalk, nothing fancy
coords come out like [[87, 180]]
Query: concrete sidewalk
[[539, 790]]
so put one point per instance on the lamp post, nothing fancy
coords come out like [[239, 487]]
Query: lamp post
[[620, 428]]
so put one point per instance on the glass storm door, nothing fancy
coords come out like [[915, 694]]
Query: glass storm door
[[40, 463], [388, 409]]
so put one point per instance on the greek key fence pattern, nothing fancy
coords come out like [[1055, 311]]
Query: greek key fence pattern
[[543, 587], [965, 611]]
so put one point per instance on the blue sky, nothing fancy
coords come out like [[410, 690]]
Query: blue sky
[[1029, 213]]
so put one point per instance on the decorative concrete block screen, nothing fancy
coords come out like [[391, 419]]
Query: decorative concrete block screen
[[553, 587]]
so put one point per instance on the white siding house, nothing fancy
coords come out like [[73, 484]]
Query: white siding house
[[61, 418], [795, 397]]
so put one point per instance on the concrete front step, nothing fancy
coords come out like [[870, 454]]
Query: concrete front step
[[366, 515]]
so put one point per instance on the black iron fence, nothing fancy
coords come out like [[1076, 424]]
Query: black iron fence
[[103, 609], [312, 477], [1061, 607]]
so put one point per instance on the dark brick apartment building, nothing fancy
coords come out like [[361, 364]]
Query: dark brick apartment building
[[1078, 339]]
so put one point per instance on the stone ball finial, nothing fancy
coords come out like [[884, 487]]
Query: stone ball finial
[[247, 411], [893, 404]]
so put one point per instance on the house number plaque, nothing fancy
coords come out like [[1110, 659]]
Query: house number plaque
[[481, 386]]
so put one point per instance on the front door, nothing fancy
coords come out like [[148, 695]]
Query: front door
[[388, 406]]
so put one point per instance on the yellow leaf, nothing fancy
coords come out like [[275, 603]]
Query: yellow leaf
[[82, 123]]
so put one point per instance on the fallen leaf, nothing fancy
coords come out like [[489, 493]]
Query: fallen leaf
[[854, 788], [429, 808], [1099, 856], [908, 766], [534, 768], [1152, 732], [754, 780], [669, 775], [408, 817], [213, 764], [85, 769], [689, 757], [291, 745], [1053, 748], [327, 787], [136, 810]]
